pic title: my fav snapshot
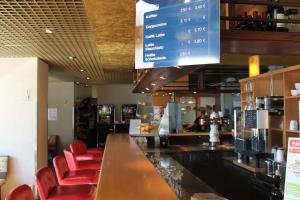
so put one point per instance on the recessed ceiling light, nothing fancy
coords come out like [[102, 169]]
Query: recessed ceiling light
[[195, 92], [82, 70], [72, 57], [88, 78], [153, 84], [147, 89], [170, 93], [143, 92], [162, 77], [47, 30]]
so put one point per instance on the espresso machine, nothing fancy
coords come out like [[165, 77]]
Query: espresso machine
[[252, 139]]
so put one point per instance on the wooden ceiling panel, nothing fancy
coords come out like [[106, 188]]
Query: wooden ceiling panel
[[113, 26], [23, 27]]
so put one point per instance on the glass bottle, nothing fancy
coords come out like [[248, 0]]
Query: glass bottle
[[276, 193]]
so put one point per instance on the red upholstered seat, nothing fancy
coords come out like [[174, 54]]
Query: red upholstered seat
[[79, 149], [67, 177], [75, 165], [23, 192], [48, 190]]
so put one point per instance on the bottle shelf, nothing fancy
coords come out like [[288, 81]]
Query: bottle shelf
[[259, 2], [231, 18]]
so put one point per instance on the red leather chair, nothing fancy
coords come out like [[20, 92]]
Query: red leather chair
[[49, 190], [67, 177], [75, 165], [22, 192], [81, 152]]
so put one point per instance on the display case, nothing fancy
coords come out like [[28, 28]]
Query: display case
[[128, 112]]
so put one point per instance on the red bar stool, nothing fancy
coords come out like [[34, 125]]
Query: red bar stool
[[75, 165], [22, 192], [67, 177], [49, 190], [81, 152]]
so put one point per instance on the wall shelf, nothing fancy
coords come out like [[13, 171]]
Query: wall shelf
[[293, 97], [291, 131], [282, 81], [259, 2]]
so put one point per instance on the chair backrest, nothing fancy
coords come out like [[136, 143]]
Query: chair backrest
[[61, 167], [71, 160], [45, 182], [22, 192], [78, 147]]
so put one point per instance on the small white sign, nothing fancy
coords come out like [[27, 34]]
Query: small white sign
[[52, 114], [134, 126], [292, 176]]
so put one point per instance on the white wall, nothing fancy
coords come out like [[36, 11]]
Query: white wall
[[82, 92], [61, 96], [19, 119], [117, 94]]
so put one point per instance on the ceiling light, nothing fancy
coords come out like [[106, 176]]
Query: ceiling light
[[170, 93], [195, 92], [143, 92], [86, 85], [77, 82], [82, 70], [162, 77], [72, 57], [47, 30], [88, 78], [153, 84], [147, 89]]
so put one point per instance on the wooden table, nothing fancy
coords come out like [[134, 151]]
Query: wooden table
[[127, 174]]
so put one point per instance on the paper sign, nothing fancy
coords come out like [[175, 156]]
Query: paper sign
[[292, 177], [52, 114], [133, 127]]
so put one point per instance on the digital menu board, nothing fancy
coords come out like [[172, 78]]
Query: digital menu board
[[177, 33]]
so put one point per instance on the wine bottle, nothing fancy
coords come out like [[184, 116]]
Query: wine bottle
[[270, 16], [276, 193], [256, 25]]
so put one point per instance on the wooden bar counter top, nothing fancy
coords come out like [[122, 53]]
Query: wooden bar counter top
[[127, 174]]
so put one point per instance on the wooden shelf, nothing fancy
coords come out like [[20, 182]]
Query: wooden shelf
[[233, 18], [293, 97], [290, 131], [276, 129], [259, 2], [246, 92]]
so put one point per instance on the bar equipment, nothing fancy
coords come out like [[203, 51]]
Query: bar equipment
[[106, 119], [128, 112]]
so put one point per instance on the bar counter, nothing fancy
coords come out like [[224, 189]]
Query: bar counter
[[127, 174]]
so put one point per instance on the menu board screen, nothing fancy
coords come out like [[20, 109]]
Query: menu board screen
[[177, 33]]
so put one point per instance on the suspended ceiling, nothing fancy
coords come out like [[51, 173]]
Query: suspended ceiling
[[23, 25]]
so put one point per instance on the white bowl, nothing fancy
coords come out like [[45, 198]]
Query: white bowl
[[294, 92], [297, 86]]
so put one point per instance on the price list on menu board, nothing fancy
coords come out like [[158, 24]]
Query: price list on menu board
[[183, 34]]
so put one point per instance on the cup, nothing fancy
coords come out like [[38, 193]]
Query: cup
[[294, 92], [293, 125], [280, 155]]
